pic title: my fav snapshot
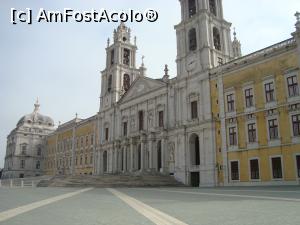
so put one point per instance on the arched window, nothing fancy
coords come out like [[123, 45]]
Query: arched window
[[126, 82], [109, 83], [192, 39], [212, 7], [192, 8], [217, 39]]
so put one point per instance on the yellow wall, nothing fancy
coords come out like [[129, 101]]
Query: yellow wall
[[58, 159], [255, 74]]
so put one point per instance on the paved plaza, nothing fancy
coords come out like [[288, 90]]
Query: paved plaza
[[138, 206]]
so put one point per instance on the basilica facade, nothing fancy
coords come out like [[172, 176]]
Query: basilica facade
[[225, 119]]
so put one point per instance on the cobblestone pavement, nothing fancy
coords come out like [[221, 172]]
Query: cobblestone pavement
[[138, 206]]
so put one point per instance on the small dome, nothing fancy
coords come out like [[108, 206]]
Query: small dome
[[36, 118]]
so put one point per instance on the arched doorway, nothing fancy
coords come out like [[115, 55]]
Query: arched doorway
[[159, 161], [105, 169], [139, 157]]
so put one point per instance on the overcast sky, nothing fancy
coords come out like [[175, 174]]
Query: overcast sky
[[60, 63]]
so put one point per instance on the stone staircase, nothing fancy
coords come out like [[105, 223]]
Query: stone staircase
[[105, 181]]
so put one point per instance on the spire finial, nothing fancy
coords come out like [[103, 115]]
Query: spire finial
[[297, 15], [36, 105], [234, 33], [166, 70], [108, 42], [76, 115], [143, 57]]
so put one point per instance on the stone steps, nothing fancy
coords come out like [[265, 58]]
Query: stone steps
[[105, 181]]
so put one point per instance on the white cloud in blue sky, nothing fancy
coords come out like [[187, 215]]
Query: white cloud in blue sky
[[61, 63]]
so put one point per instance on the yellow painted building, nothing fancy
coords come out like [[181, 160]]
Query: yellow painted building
[[71, 148], [256, 109]]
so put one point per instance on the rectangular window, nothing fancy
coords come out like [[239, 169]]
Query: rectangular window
[[141, 120], [296, 125], [125, 129], [293, 88], [269, 92], [24, 149], [22, 164], [276, 168], [249, 97], [86, 160], [230, 103], [273, 129], [298, 165], [106, 134], [81, 141], [91, 159], [235, 175], [112, 57], [254, 169], [161, 119], [232, 136], [252, 132], [194, 110]]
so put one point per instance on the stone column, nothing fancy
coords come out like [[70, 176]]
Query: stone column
[[131, 156], [124, 159], [142, 155], [151, 154], [163, 152]]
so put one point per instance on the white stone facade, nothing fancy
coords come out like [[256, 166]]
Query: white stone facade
[[164, 125], [26, 146]]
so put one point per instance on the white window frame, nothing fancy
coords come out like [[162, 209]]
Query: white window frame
[[233, 147], [251, 145], [230, 172], [273, 142], [231, 113], [288, 75], [246, 87], [271, 167], [259, 169], [295, 139], [272, 104]]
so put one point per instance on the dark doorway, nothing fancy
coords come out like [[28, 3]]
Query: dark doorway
[[21, 175], [105, 162], [298, 165], [159, 164], [195, 150], [195, 179]]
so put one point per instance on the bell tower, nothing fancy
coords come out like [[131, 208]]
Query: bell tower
[[203, 37], [120, 69]]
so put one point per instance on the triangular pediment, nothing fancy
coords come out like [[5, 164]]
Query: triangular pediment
[[141, 86]]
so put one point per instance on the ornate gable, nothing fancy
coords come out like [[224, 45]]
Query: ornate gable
[[141, 86]]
